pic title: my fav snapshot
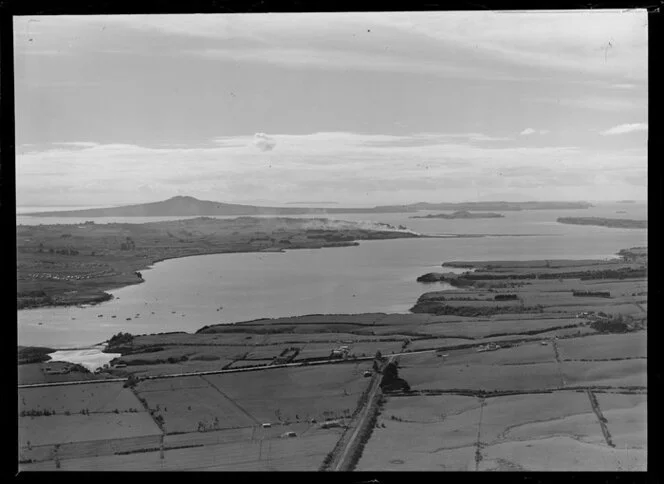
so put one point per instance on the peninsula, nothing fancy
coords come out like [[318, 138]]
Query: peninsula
[[619, 223], [61, 265], [463, 214]]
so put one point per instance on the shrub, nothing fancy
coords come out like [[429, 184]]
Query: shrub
[[120, 339], [131, 382]]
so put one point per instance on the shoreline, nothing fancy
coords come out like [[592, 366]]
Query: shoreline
[[484, 267], [103, 295], [75, 278]]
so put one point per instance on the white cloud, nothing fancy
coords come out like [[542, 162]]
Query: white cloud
[[625, 128], [77, 144], [529, 131], [347, 167], [451, 43], [315, 57], [572, 41], [263, 142], [601, 103], [623, 86]]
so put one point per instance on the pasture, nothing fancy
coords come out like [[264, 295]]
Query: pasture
[[183, 409], [557, 453], [60, 429], [605, 347], [627, 419], [625, 373], [428, 372], [304, 453], [92, 397]]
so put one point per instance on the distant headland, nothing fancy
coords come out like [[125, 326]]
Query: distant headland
[[621, 223], [461, 214]]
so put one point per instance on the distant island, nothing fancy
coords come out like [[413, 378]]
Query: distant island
[[312, 202], [461, 214], [190, 206], [621, 223], [494, 206]]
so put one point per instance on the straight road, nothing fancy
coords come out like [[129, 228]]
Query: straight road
[[272, 367], [353, 441]]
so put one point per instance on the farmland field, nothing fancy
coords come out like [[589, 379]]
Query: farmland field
[[605, 346], [626, 419], [321, 381], [525, 353], [482, 329], [605, 373], [56, 429], [560, 392], [173, 368], [299, 454], [35, 373], [93, 397], [248, 363], [315, 392], [559, 452], [536, 416], [517, 432], [426, 371], [433, 433], [183, 409]]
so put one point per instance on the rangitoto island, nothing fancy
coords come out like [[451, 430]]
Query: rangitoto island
[[190, 206], [461, 214], [620, 223], [61, 265], [523, 359]]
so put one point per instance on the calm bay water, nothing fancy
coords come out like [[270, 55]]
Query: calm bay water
[[376, 276]]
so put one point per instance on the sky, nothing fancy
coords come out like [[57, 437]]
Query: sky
[[359, 109]]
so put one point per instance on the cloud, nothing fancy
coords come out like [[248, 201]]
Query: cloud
[[450, 43], [263, 142], [600, 103], [575, 42], [343, 166], [625, 128], [362, 58], [78, 144], [623, 86], [529, 131]]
